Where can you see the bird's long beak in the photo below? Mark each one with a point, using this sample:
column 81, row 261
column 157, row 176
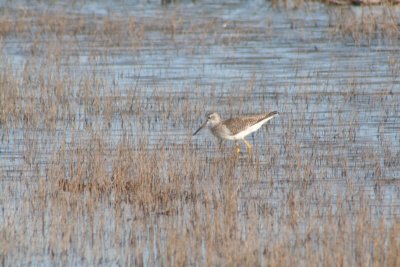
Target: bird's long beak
column 201, row 127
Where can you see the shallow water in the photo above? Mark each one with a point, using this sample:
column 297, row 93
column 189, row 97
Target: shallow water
column 338, row 127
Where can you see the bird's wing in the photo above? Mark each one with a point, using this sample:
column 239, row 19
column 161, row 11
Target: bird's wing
column 236, row 125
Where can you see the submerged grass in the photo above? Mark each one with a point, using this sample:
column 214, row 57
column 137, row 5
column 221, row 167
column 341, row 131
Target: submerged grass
column 95, row 171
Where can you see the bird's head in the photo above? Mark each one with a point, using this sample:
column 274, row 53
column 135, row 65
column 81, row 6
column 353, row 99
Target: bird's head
column 212, row 119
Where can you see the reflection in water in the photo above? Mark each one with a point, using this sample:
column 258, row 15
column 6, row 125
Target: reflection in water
column 99, row 102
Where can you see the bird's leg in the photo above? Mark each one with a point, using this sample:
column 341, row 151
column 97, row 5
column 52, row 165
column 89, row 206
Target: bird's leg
column 237, row 147
column 248, row 146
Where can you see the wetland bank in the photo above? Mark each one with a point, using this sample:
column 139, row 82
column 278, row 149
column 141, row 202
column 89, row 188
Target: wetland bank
column 98, row 103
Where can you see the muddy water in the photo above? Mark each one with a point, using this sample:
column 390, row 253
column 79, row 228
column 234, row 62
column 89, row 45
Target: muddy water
column 338, row 100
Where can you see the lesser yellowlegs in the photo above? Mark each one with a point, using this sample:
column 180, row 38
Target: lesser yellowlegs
column 236, row 128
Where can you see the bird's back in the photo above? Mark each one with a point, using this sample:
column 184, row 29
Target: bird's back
column 237, row 125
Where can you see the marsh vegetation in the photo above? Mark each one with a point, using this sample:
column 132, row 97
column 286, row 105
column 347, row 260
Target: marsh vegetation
column 98, row 103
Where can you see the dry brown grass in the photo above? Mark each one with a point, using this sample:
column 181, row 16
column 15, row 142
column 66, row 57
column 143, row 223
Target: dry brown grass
column 99, row 172
column 366, row 25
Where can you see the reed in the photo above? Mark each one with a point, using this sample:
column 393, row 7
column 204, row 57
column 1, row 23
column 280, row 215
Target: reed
column 96, row 170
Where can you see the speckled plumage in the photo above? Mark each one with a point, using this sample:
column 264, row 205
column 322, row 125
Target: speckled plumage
column 236, row 125
column 236, row 128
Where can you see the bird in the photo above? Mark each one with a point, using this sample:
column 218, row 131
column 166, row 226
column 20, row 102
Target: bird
column 235, row 128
